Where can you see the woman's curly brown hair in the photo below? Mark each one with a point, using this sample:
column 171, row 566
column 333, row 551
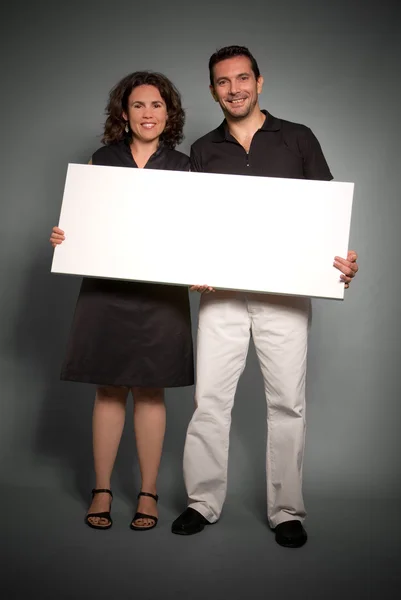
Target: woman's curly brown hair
column 114, row 128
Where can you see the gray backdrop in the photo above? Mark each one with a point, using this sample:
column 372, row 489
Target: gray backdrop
column 333, row 69
column 332, row 66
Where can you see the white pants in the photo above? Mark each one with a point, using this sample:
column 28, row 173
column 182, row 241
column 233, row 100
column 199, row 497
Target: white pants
column 279, row 326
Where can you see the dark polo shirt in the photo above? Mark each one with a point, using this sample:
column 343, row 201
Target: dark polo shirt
column 279, row 149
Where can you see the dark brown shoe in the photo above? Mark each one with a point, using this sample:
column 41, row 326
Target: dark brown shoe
column 290, row 534
column 189, row 522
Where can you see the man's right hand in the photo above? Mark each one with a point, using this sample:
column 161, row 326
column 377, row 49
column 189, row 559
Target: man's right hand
column 202, row 289
column 57, row 236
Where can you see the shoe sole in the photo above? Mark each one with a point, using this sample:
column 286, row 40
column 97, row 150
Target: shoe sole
column 142, row 528
column 182, row 532
column 98, row 526
column 292, row 544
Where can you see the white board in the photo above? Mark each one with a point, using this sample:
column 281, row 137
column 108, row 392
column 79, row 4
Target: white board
column 228, row 231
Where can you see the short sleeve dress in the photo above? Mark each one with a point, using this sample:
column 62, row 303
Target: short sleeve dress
column 127, row 333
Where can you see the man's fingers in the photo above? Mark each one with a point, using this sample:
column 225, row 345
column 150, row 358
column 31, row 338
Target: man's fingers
column 201, row 289
column 346, row 281
column 349, row 263
column 352, row 256
column 346, row 267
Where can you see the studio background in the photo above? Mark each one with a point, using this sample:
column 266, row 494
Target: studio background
column 334, row 67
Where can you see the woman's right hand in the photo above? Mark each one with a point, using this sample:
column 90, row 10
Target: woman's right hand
column 57, row 237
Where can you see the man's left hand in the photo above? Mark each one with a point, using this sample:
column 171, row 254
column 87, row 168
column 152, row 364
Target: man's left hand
column 348, row 267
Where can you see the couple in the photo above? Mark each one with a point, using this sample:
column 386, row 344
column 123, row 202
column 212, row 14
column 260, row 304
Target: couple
column 136, row 337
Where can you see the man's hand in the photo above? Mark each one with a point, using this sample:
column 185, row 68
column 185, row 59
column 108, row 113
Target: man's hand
column 348, row 267
column 202, row 289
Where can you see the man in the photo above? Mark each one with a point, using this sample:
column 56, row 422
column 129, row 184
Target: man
column 251, row 142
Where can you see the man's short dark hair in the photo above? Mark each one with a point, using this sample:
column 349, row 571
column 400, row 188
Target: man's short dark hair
column 231, row 52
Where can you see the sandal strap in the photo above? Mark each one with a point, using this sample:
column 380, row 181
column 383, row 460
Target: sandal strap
column 101, row 515
column 100, row 490
column 154, row 496
column 139, row 515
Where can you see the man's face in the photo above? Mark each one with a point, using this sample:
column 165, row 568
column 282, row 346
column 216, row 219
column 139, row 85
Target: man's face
column 235, row 86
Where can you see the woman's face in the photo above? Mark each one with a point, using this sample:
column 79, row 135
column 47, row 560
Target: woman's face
column 147, row 113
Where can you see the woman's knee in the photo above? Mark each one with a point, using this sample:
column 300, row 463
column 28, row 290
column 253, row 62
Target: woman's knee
column 148, row 394
column 111, row 392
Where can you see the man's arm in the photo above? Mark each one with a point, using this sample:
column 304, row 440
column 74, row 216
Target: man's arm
column 314, row 163
column 196, row 166
column 316, row 167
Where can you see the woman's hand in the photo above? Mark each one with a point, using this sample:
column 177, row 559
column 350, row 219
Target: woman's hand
column 57, row 237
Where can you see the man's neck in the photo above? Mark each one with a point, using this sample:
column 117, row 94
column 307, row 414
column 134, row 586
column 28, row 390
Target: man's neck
column 244, row 129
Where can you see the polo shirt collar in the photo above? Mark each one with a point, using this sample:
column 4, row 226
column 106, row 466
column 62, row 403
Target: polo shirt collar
column 221, row 134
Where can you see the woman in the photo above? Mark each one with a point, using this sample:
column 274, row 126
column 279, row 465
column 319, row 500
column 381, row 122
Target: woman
column 131, row 336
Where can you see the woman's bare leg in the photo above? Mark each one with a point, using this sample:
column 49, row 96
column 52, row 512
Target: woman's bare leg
column 107, row 425
column 149, row 426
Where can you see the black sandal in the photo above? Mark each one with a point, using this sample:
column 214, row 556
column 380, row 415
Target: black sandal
column 139, row 515
column 102, row 515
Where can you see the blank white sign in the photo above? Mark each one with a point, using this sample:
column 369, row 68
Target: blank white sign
column 228, row 231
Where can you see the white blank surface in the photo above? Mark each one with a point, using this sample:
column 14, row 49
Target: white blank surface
column 228, row 231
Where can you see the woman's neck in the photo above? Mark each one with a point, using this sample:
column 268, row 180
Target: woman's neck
column 142, row 151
